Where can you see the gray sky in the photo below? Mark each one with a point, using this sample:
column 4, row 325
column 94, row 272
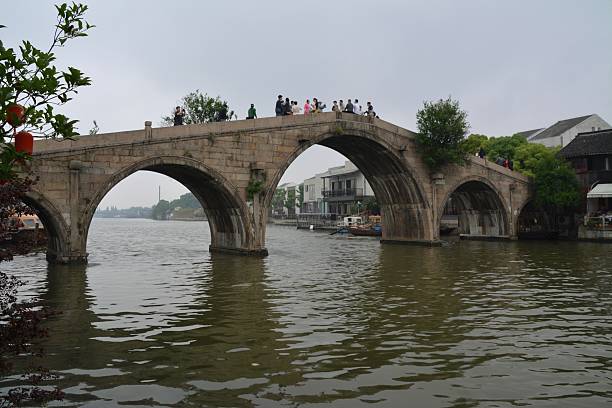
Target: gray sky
column 513, row 65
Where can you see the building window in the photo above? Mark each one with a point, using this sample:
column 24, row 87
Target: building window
column 348, row 184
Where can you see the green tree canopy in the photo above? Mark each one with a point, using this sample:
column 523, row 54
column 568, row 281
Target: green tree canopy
column 160, row 210
column 442, row 127
column 504, row 147
column 371, row 205
column 187, row 200
column 300, row 197
column 200, row 108
column 555, row 180
column 472, row 144
column 29, row 79
column 278, row 200
column 290, row 201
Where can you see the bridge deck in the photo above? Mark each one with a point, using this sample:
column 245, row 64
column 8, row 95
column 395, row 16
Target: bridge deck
column 231, row 128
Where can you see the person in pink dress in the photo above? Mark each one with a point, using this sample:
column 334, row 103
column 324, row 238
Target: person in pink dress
column 307, row 107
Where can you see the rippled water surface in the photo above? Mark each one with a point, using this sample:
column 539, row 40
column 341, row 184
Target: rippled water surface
column 155, row 320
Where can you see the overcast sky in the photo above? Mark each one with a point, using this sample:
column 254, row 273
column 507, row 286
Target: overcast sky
column 513, row 65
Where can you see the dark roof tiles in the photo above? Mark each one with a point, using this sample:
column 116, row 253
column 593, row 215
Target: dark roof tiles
column 589, row 144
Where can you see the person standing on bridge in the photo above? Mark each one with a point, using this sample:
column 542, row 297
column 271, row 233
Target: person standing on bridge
column 179, row 115
column 349, row 107
column 279, row 106
column 370, row 112
column 335, row 107
column 341, row 105
column 315, row 105
column 295, row 108
column 307, row 107
column 287, row 107
column 252, row 113
column 357, row 107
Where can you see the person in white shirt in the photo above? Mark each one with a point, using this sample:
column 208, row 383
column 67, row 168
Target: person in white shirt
column 357, row 107
column 295, row 108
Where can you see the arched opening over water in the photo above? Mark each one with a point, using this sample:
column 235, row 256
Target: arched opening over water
column 227, row 215
column 51, row 228
column 534, row 223
column 321, row 188
column 475, row 208
column 398, row 193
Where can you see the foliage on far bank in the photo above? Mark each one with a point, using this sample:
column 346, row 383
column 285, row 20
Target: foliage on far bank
column 555, row 180
column 200, row 108
column 160, row 210
column 442, row 127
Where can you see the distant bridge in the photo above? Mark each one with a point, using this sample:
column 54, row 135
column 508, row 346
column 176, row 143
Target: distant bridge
column 217, row 161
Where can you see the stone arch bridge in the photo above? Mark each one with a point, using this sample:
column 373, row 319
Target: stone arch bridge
column 218, row 162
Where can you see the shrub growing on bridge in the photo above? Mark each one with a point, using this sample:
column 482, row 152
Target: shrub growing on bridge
column 442, row 126
column 200, row 108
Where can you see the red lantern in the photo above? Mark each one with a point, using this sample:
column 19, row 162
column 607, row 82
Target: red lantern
column 24, row 142
column 15, row 115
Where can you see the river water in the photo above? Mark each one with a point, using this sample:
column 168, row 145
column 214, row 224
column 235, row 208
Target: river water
column 155, row 320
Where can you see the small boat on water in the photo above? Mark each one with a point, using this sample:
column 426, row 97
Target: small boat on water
column 366, row 230
column 373, row 228
column 354, row 225
column 22, row 228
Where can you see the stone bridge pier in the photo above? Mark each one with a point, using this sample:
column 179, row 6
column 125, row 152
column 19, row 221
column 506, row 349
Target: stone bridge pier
column 233, row 169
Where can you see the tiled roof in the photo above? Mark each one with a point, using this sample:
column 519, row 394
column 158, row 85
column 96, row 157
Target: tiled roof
column 589, row 144
column 527, row 133
column 560, row 127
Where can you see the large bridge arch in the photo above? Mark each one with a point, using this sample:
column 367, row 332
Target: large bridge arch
column 483, row 210
column 229, row 218
column 400, row 193
column 58, row 238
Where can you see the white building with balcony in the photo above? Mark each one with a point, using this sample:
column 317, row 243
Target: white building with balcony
column 340, row 190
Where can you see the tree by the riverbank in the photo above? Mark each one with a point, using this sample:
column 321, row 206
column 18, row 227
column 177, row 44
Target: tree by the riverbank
column 555, row 181
column 31, row 88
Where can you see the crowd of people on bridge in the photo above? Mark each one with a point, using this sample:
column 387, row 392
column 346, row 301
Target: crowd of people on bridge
column 286, row 107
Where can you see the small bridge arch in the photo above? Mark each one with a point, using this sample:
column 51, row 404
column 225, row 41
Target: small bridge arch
column 482, row 208
column 58, row 233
